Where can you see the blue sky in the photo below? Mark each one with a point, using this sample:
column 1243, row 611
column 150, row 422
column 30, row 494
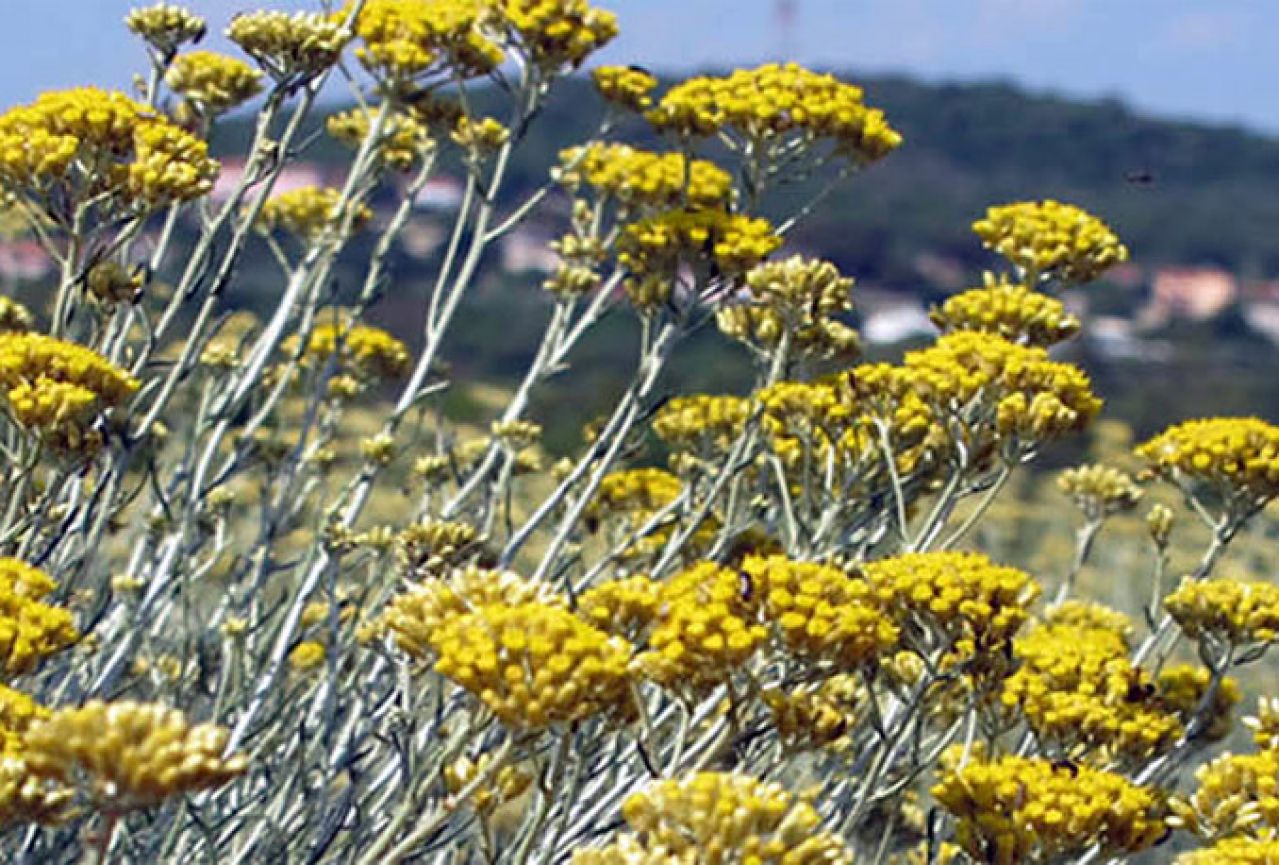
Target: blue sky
column 1207, row 59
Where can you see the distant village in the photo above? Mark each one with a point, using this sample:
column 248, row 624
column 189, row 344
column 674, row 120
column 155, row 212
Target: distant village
column 1161, row 295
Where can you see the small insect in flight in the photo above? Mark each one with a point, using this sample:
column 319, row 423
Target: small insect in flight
column 1140, row 177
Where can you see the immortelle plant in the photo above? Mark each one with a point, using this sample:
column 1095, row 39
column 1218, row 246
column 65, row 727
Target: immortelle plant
column 776, row 649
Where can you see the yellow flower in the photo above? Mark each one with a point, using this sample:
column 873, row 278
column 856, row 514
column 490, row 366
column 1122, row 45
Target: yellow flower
column 1012, row 311
column 556, row 33
column 735, row 818
column 773, row 103
column 166, row 26
column 1265, row 724
column 406, row 39
column 71, row 146
column 293, row 47
column 214, row 82
column 1236, row 794
column 625, row 607
column 14, row 317
column 18, row 711
column 1026, row 810
column 654, row 249
column 819, row 613
column 508, row 784
column 24, row 798
column 127, row 756
column 706, row 630
column 479, row 137
column 30, row 630
column 1077, row 688
column 1048, row 239
column 403, row 142
column 1182, row 687
column 307, row 655
column 1234, row 851
column 533, row 664
column 366, row 352
column 637, row 178
column 310, row 211
column 963, row 597
column 702, row 424
column 1238, row 458
column 59, row 387
column 434, row 546
column 417, row 613
column 625, row 86
column 1236, row 612
column 796, row 297
column 1099, row 490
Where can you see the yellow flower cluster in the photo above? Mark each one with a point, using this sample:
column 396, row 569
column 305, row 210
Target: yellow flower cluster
column 126, row 756
column 724, row 818
column 214, row 82
column 1019, row 811
column 625, row 607
column 30, row 630
column 1086, row 615
column 291, row 48
column 433, row 546
column 821, row 614
column 796, row 298
column 416, row 614
column 635, row 491
column 1007, row 309
column 1234, row 612
column 1265, row 724
column 166, row 26
column 364, row 351
column 307, row 655
column 820, row 718
column 1099, row 491
column 1182, row 687
column 775, row 102
column 59, row 387
column 637, row 178
column 17, row 713
column 534, row 664
column 1234, row 851
column 626, row 86
column 402, row 143
column 1035, row 398
column 1078, row 689
column 14, row 317
column 309, row 211
column 702, row 424
column 70, row 146
column 1237, row 457
column 1048, row 239
column 506, row 785
column 706, row 629
column 969, row 601
column 1236, row 794
column 406, row 39
column 715, row 242
column 557, row 33
column 479, row 137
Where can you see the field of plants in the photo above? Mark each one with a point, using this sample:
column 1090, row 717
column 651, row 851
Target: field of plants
column 264, row 598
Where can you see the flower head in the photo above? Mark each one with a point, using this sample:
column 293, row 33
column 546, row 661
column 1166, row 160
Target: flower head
column 1236, row 458
column 625, row 86
column 290, row 47
column 741, row 819
column 72, row 146
column 1234, row 612
column 214, row 82
column 403, row 141
column 1048, row 239
column 1027, row 810
column 637, row 178
column 1012, row 311
column 126, row 756
column 401, row 40
column 775, row 103
column 166, row 26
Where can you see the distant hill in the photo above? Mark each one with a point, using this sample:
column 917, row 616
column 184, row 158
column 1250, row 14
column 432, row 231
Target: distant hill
column 1176, row 192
